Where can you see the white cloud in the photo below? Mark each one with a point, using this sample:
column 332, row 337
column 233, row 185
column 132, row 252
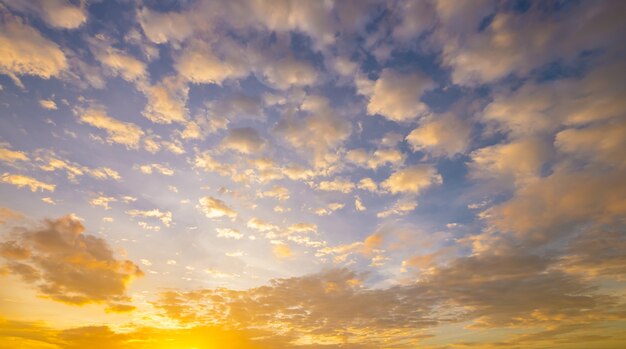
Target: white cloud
column 397, row 96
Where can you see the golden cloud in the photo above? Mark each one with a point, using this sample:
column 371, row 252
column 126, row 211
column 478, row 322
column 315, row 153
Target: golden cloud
column 24, row 51
column 124, row 133
column 67, row 265
column 21, row 181
column 216, row 208
column 412, row 180
column 441, row 135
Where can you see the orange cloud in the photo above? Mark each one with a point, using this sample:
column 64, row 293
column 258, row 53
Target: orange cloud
column 67, row 265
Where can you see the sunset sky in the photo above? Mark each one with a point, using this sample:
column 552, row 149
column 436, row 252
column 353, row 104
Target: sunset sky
column 312, row 174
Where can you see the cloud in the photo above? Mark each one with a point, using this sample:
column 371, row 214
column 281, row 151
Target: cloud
column 32, row 335
column 416, row 18
column 338, row 184
column 441, row 135
column 518, row 159
column 162, row 27
column 344, row 66
column 397, row 96
column 49, row 161
column 549, row 208
column 67, row 265
column 217, row 115
column 12, row 156
column 122, row 64
column 500, row 299
column 358, row 204
column 401, row 207
column 314, row 306
column 302, row 228
column 420, row 261
column 208, row 163
column 318, row 133
column 523, row 246
column 102, row 201
column 21, row 181
column 282, row 251
column 164, row 216
column 245, row 140
column 326, row 298
column 48, row 104
column 146, row 226
column 278, row 192
column 412, row 180
column 166, row 101
column 597, row 252
column 376, row 159
column 124, row 133
column 24, row 51
column 368, row 184
column 200, row 65
column 228, row 233
column 313, row 19
column 56, row 13
column 537, row 109
column 289, row 72
column 7, row 214
column 160, row 168
column 597, row 144
column 216, row 208
column 517, row 42
column 329, row 209
column 52, row 163
column 371, row 245
column 260, row 225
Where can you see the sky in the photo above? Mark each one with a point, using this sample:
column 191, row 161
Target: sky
column 312, row 174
